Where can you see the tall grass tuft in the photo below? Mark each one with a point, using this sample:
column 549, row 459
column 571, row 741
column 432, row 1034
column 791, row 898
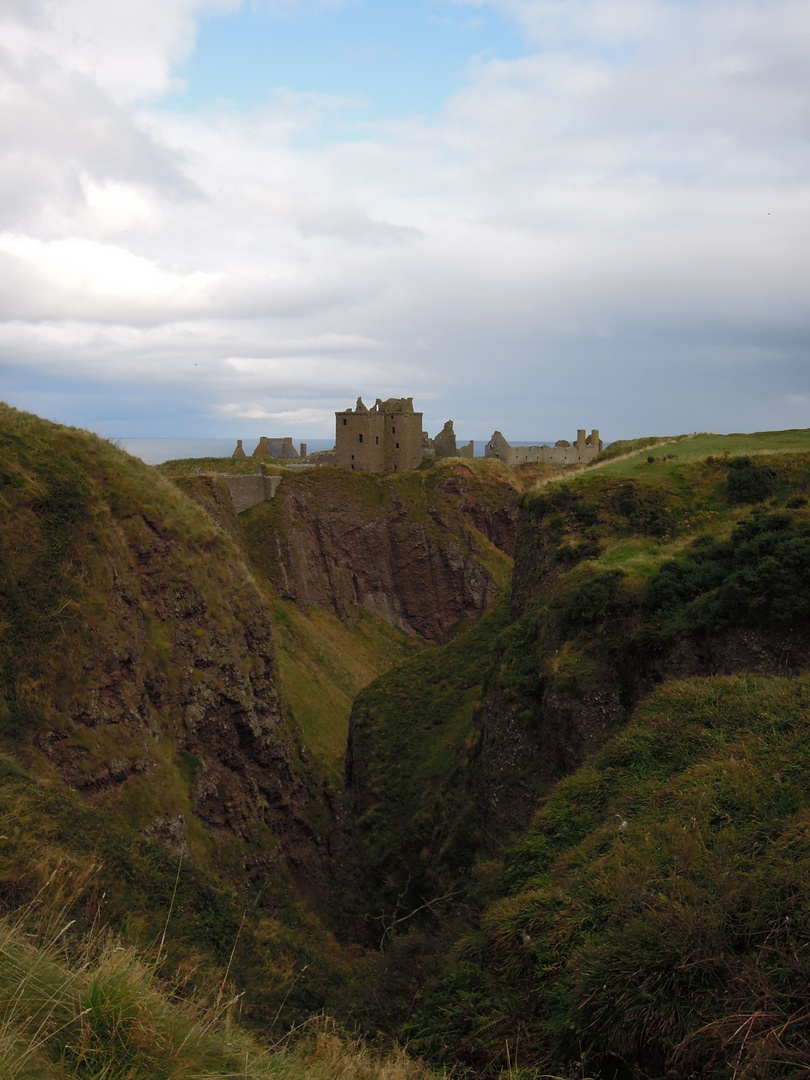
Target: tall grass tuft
column 101, row 1014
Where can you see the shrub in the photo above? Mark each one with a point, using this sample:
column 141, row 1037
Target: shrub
column 747, row 482
column 760, row 575
column 591, row 607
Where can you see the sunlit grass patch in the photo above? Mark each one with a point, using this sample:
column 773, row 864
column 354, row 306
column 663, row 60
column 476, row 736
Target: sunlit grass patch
column 324, row 662
column 669, row 456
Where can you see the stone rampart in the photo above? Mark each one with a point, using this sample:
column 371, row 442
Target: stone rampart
column 247, row 491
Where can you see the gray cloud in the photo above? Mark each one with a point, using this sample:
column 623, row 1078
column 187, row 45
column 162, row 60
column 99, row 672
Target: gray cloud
column 610, row 231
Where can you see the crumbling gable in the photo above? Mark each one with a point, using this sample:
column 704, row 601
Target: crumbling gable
column 444, row 444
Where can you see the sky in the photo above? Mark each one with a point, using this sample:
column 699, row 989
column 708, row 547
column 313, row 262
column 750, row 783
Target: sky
column 232, row 217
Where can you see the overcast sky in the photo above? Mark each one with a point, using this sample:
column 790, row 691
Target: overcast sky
column 232, row 217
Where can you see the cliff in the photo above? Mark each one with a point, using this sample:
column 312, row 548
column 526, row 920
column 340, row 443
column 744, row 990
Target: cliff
column 421, row 550
column 620, row 582
column 137, row 663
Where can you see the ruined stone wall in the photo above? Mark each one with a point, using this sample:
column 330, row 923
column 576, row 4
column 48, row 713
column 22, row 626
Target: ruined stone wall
column 403, row 440
column 360, row 440
column 444, row 444
column 562, row 453
column 247, row 491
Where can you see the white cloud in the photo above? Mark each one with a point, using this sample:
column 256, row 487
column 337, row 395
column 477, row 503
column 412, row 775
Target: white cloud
column 635, row 186
column 127, row 48
column 81, row 278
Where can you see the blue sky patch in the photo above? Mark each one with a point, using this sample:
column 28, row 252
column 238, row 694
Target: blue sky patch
column 398, row 56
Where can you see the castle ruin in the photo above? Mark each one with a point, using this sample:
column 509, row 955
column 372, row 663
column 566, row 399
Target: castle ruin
column 272, row 448
column 388, row 437
column 385, row 438
column 562, row 453
column 444, row 445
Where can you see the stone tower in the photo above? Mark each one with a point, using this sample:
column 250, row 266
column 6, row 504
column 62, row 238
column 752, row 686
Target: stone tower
column 385, row 438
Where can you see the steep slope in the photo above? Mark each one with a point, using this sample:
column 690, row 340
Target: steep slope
column 412, row 747
column 619, row 584
column 653, row 921
column 137, row 663
column 680, row 566
column 358, row 570
column 422, row 550
column 102, row 1013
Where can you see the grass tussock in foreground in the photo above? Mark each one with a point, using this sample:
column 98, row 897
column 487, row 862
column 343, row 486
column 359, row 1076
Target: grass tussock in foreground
column 100, row 1014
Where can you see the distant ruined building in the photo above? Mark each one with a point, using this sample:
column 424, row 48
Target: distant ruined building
column 272, row 448
column 444, row 444
column 385, row 438
column 388, row 437
column 562, row 453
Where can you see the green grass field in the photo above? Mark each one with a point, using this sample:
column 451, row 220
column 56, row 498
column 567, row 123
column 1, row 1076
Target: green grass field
column 671, row 455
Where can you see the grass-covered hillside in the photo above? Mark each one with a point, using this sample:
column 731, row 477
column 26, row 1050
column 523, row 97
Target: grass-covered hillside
column 654, row 920
column 630, row 577
column 574, row 830
column 165, row 716
column 144, row 752
column 98, row 1011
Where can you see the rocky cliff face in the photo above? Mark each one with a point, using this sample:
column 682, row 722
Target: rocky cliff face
column 136, row 661
column 420, row 550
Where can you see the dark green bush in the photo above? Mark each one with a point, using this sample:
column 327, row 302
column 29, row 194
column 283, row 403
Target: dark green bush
column 760, row 575
column 594, row 603
column 747, row 482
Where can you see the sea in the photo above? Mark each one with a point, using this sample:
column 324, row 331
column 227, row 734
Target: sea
column 156, row 451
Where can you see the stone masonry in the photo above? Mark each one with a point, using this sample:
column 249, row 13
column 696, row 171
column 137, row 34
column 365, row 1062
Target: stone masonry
column 385, row 438
column 247, row 491
column 562, row 453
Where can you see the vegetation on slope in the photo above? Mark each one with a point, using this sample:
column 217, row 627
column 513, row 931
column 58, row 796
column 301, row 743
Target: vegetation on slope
column 410, row 749
column 655, row 915
column 622, row 579
column 136, row 668
column 652, row 917
column 635, row 454
column 97, row 1012
column 422, row 549
column 347, row 560
column 607, row 577
column 323, row 663
column 99, row 871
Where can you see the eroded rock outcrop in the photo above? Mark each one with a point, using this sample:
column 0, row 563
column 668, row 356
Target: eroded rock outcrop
column 420, row 551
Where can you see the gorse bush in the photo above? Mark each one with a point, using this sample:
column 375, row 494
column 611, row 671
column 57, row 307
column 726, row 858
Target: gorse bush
column 747, row 482
column 760, row 575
